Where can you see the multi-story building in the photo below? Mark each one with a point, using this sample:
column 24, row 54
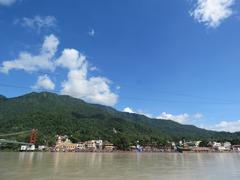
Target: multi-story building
column 109, row 147
column 94, row 145
column 81, row 146
column 64, row 144
column 227, row 146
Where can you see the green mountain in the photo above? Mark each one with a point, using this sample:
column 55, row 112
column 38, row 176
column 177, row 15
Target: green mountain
column 2, row 98
column 55, row 114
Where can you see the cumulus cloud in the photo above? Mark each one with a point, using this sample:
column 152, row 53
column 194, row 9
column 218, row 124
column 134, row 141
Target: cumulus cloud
column 71, row 59
column 128, row 110
column 79, row 85
column 29, row 62
column 44, row 82
column 212, row 12
column 141, row 112
column 181, row 118
column 7, row 2
column 197, row 116
column 38, row 23
column 228, row 126
column 94, row 89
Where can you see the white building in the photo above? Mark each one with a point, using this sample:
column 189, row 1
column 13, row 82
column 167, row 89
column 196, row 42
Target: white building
column 91, row 144
column 174, row 146
column 227, row 146
column 99, row 144
column 27, row 147
column 216, row 145
column 197, row 143
column 81, row 146
column 94, row 144
column 222, row 146
column 42, row 148
column 23, row 148
column 236, row 148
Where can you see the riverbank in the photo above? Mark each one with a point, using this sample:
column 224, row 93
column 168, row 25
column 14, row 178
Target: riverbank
column 121, row 152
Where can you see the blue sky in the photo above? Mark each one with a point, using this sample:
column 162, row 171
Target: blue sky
column 166, row 59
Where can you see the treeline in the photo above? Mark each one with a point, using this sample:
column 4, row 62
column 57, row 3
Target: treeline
column 52, row 114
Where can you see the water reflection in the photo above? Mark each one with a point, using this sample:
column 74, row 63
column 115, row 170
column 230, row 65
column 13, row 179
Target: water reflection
column 132, row 166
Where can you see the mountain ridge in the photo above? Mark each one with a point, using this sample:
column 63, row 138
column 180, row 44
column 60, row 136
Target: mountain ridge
column 55, row 114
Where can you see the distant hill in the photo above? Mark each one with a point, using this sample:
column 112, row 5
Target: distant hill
column 55, row 114
column 2, row 98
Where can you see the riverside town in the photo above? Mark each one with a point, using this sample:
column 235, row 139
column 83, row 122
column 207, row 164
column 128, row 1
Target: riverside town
column 64, row 144
column 119, row 89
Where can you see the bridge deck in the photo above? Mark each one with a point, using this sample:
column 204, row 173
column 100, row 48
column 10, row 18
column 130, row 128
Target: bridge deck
column 2, row 141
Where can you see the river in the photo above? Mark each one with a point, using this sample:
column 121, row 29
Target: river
column 104, row 166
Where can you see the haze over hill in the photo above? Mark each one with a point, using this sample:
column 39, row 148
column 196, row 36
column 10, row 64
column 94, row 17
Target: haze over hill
column 55, row 114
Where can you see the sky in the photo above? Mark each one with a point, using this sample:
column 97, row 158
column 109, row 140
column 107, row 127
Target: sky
column 165, row 59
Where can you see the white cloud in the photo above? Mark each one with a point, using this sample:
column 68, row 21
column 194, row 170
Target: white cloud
column 71, row 59
column 93, row 68
column 7, row 2
column 145, row 114
column 94, row 89
column 79, row 85
column 181, row 118
column 91, row 32
column 38, row 23
column 212, row 12
column 44, row 82
column 141, row 112
column 197, row 116
column 228, row 126
column 28, row 62
column 128, row 110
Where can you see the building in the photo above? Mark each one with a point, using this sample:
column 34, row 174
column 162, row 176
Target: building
column 91, row 145
column 197, row 143
column 221, row 148
column 64, row 144
column 174, row 147
column 109, row 147
column 99, row 144
column 147, row 148
column 23, row 148
column 189, row 144
column 42, row 148
column 236, row 148
column 94, row 145
column 139, row 148
column 81, row 146
column 227, row 146
column 216, row 145
column 27, row 147
column 201, row 149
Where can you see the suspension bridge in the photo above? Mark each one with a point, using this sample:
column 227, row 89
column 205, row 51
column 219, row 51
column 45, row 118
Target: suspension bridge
column 32, row 140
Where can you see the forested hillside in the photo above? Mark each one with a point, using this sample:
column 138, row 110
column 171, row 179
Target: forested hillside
column 55, row 114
